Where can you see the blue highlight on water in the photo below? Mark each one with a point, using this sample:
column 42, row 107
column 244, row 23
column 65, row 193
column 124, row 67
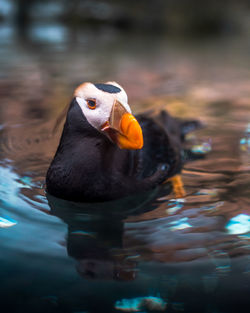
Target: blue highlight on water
column 245, row 141
column 6, row 223
column 203, row 148
column 27, row 181
column 148, row 303
column 83, row 233
column 9, row 185
column 240, row 224
column 180, row 224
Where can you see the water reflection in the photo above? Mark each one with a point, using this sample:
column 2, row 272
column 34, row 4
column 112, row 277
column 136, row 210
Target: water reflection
column 239, row 224
column 148, row 303
column 5, row 223
column 96, row 235
column 109, row 240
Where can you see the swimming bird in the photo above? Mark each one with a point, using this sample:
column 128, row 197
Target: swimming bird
column 106, row 153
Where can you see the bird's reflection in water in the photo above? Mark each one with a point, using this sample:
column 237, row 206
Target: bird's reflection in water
column 113, row 240
column 95, row 234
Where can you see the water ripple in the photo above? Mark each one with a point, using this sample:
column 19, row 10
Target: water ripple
column 6, row 223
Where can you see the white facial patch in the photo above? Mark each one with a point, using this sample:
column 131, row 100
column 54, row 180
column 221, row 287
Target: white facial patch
column 104, row 102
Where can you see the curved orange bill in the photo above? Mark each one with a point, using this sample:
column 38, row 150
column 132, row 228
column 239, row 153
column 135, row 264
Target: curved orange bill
column 123, row 128
column 130, row 135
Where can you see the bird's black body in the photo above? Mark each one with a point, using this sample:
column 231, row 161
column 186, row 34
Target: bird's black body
column 88, row 167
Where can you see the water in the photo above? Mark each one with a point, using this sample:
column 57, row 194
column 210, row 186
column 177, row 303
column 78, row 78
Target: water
column 144, row 254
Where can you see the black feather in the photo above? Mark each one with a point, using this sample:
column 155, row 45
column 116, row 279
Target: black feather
column 88, row 167
column 108, row 88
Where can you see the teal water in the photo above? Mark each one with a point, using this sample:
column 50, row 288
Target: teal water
column 148, row 253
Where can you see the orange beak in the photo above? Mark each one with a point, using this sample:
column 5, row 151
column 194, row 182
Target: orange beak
column 123, row 128
column 130, row 135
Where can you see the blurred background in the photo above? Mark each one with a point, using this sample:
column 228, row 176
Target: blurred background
column 152, row 47
column 160, row 47
column 184, row 17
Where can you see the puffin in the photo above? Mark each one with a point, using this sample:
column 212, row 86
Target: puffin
column 107, row 153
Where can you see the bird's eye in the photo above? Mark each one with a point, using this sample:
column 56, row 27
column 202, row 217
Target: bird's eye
column 91, row 104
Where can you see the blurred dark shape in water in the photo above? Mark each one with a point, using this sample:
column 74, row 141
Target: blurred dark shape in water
column 193, row 17
column 95, row 234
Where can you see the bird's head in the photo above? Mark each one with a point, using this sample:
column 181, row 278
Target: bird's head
column 106, row 108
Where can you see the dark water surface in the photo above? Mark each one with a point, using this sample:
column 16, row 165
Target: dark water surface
column 149, row 253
